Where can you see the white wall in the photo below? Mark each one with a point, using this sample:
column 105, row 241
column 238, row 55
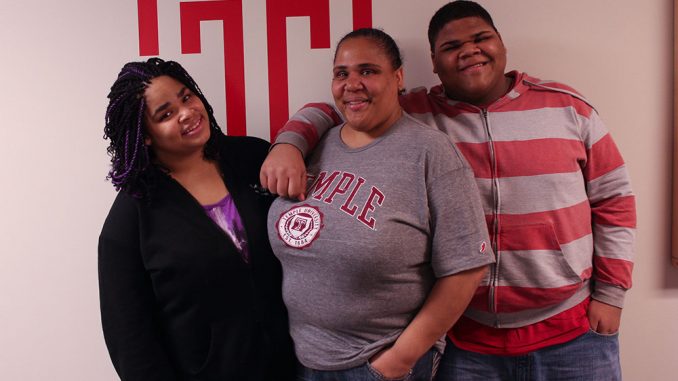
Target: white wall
column 60, row 57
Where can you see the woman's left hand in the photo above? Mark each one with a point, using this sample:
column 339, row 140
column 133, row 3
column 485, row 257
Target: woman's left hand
column 389, row 365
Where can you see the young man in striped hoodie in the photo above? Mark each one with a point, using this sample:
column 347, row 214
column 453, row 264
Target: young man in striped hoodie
column 557, row 199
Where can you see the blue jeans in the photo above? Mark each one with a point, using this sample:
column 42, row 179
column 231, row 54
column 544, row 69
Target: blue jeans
column 422, row 371
column 589, row 357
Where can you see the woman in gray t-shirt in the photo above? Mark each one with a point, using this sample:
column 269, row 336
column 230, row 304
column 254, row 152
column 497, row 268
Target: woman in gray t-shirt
column 389, row 246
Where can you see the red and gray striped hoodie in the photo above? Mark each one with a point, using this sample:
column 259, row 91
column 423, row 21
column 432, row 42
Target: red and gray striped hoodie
column 556, row 193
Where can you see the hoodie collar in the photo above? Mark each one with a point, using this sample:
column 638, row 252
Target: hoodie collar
column 518, row 87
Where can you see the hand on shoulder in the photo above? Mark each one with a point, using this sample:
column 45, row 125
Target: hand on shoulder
column 284, row 172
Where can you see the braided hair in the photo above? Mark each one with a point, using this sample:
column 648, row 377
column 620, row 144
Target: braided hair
column 131, row 160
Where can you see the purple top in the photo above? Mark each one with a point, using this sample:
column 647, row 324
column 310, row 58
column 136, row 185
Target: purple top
column 225, row 214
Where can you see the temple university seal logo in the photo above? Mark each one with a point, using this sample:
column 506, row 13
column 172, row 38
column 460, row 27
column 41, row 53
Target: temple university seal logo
column 299, row 226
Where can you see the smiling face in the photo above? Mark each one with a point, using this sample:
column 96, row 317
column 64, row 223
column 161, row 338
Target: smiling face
column 365, row 86
column 177, row 124
column 470, row 58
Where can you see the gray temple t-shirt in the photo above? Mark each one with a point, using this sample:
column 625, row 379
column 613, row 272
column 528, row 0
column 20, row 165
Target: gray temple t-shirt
column 380, row 224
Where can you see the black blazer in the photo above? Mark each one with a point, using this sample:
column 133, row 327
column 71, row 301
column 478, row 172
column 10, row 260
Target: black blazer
column 177, row 300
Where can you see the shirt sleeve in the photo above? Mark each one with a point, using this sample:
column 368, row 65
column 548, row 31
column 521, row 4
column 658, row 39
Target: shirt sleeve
column 127, row 301
column 459, row 232
column 308, row 125
column 613, row 212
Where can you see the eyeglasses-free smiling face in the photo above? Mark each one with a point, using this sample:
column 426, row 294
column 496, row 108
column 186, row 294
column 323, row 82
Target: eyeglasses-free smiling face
column 365, row 88
column 470, row 58
column 177, row 124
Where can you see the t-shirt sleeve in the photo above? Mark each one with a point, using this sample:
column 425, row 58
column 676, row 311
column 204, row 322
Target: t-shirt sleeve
column 459, row 232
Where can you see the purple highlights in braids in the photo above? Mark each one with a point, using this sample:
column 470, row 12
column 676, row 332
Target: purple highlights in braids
column 131, row 160
column 119, row 179
column 138, row 72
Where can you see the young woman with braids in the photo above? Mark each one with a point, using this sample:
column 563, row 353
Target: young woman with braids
column 189, row 287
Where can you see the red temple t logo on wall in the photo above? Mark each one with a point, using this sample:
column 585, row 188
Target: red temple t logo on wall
column 229, row 12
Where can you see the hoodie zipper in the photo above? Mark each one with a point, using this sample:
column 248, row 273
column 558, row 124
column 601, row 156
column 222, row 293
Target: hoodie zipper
column 494, row 273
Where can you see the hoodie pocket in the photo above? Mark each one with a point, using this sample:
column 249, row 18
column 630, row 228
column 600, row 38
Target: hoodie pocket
column 532, row 271
column 211, row 348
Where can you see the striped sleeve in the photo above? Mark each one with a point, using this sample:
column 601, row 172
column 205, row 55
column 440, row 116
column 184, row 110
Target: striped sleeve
column 613, row 212
column 308, row 125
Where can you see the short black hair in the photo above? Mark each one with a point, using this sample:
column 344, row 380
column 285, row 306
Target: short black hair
column 452, row 11
column 125, row 127
column 381, row 38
